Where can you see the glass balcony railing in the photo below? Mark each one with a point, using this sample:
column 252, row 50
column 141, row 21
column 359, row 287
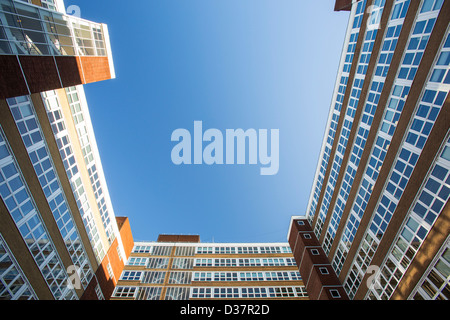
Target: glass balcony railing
column 27, row 29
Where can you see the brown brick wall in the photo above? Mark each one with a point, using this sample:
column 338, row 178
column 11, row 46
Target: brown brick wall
column 310, row 258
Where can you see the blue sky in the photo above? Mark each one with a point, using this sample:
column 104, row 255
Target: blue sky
column 260, row 64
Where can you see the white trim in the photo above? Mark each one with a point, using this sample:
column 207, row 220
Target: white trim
column 108, row 50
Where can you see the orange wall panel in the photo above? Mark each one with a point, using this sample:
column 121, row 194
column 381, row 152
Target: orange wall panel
column 94, row 68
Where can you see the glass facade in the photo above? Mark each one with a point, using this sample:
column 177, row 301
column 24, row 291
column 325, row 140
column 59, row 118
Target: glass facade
column 28, row 125
column 26, row 29
column 23, row 210
column 52, row 183
column 419, row 128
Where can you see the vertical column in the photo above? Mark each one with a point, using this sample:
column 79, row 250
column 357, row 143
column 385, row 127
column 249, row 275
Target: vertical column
column 318, row 276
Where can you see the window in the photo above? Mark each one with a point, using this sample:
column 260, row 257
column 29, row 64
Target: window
column 154, row 277
column 202, row 276
column 201, row 293
column 110, row 271
column 162, row 250
column 119, row 253
column 125, row 292
column 286, row 249
column 225, row 250
column 277, row 276
column 323, row 270
column 226, row 292
column 252, row 262
column 431, row 5
column 99, row 293
column 301, row 223
column 182, row 263
column 315, row 252
column 137, row 261
column 203, row 262
column 184, row 251
column 14, row 285
column 180, row 277
column 270, row 250
column 225, row 276
column 55, row 115
column 131, row 275
column 246, row 250
column 149, row 293
column 142, row 249
column 158, row 263
column 248, row 292
column 306, row 236
column 205, row 250
column 225, row 262
column 273, row 262
column 177, row 293
column 251, row 276
column 281, row 292
column 291, row 262
column 253, row 293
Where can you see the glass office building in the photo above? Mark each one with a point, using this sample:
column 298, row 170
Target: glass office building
column 378, row 207
column 59, row 236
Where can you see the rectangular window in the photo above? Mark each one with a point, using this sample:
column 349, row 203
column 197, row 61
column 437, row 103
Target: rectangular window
column 184, row 251
column 158, row 263
column 323, row 270
column 177, row 293
column 162, row 250
column 335, row 294
column 226, row 293
column 142, row 249
column 179, row 277
column 202, row 276
column 201, row 293
column 154, row 277
column 182, row 263
column 149, row 293
column 203, row 262
column 137, row 261
column 205, row 250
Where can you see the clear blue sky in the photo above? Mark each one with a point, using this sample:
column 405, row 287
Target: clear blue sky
column 261, row 64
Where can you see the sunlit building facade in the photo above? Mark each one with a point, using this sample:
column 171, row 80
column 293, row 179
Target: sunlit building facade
column 182, row 268
column 59, row 235
column 378, row 208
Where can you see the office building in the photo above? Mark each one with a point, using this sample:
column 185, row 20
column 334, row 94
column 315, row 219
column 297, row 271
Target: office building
column 378, row 211
column 180, row 267
column 59, row 235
